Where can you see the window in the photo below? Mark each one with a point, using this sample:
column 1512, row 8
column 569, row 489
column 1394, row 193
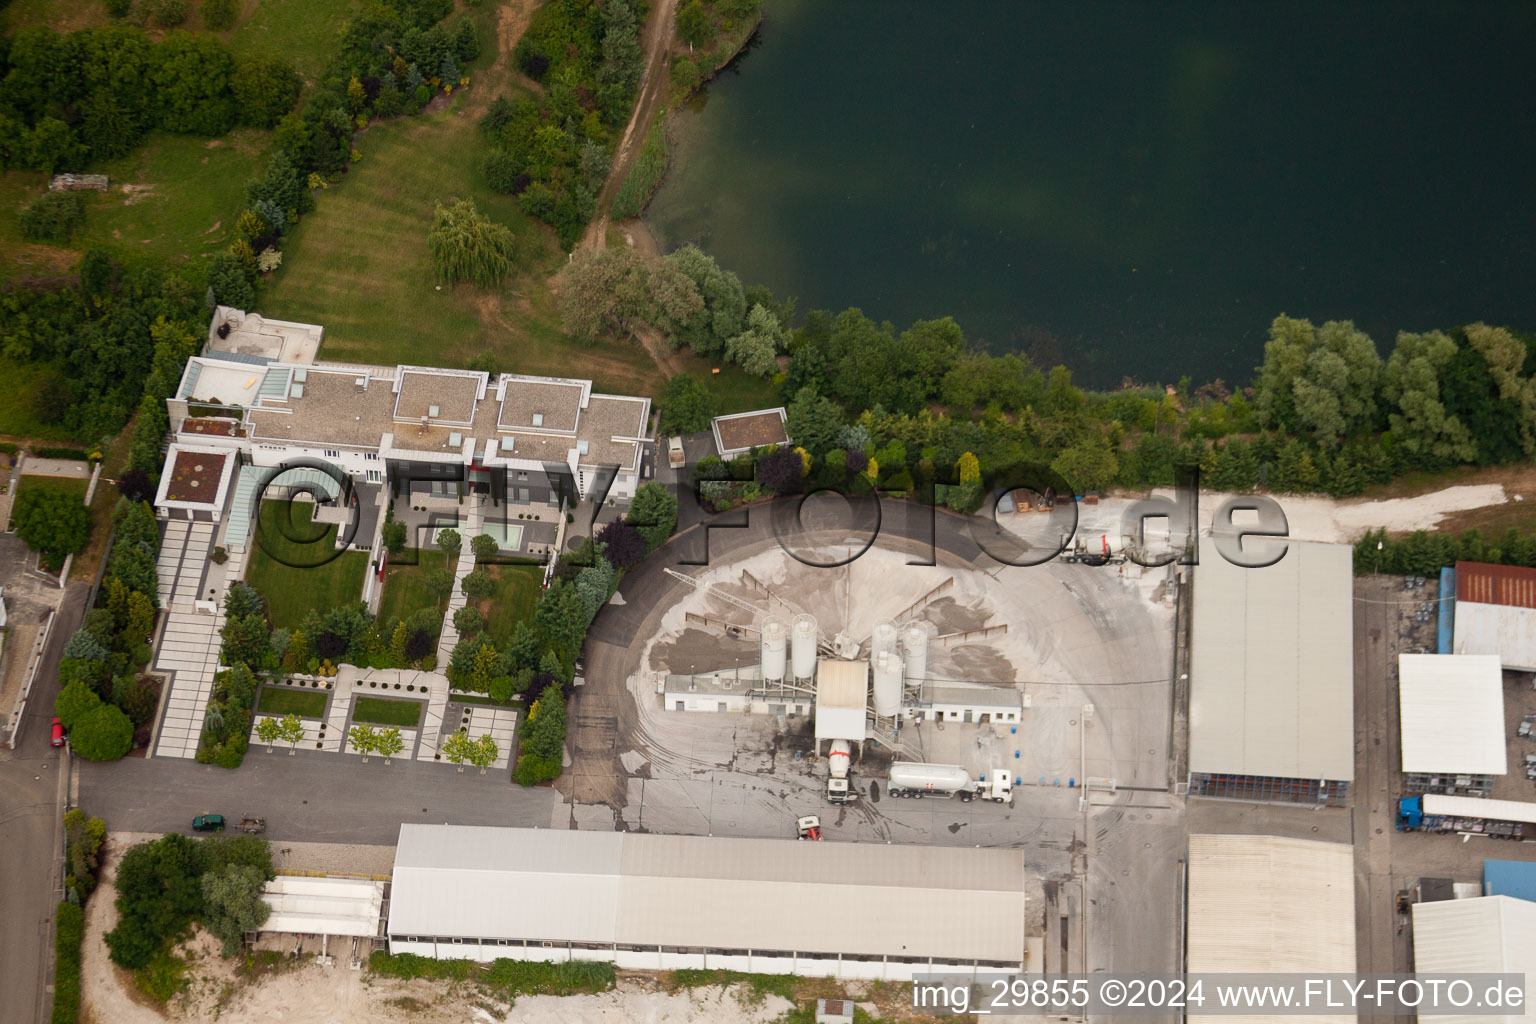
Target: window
column 503, row 942
column 680, row 706
column 521, row 475
column 332, row 453
column 458, row 942
column 375, row 476
column 371, row 456
column 720, row 706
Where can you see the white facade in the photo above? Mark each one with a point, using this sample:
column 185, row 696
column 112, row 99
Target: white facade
column 1452, row 713
column 666, row 902
column 1507, row 632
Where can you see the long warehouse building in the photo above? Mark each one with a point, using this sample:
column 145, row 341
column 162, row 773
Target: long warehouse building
column 668, row 902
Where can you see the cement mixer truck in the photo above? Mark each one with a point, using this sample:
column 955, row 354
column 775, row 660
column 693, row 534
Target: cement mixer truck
column 912, row 779
column 838, row 760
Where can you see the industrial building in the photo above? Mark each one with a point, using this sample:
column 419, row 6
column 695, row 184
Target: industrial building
column 1516, row 878
column 324, row 907
column 1452, row 721
column 1495, row 613
column 647, row 901
column 1485, row 935
column 1272, row 677
column 1265, row 904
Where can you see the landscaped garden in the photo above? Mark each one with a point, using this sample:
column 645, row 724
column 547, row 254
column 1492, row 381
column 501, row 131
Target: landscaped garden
column 296, row 567
column 277, row 701
column 385, row 711
column 514, row 599
column 406, row 583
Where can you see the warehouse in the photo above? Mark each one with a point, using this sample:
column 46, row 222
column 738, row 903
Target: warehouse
column 1272, row 677
column 1452, row 722
column 1496, row 613
column 1485, row 935
column 1266, row 904
column 666, row 902
column 1515, row 878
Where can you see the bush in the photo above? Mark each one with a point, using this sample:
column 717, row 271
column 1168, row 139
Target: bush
column 531, row 771
column 162, row 977
column 169, row 13
column 70, row 930
column 117, row 8
column 74, row 454
column 103, row 734
column 219, row 15
column 685, row 73
column 52, row 217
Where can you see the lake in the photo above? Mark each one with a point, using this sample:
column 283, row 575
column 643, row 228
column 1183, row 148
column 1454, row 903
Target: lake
column 1135, row 189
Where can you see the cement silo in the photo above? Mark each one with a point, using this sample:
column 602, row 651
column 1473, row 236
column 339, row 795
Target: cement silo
column 887, row 666
column 914, row 651
column 775, row 636
column 803, row 645
column 883, row 638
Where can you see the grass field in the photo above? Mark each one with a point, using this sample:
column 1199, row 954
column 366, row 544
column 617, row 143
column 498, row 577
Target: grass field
column 17, row 381
column 301, row 30
column 383, row 711
column 289, row 564
column 517, row 592
column 63, row 484
column 404, row 591
column 275, row 701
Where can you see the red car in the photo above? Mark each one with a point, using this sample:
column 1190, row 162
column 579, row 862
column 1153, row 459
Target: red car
column 58, row 734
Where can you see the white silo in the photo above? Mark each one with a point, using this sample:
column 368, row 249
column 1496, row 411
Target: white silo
column 887, row 666
column 883, row 638
column 775, row 634
column 914, row 651
column 803, row 645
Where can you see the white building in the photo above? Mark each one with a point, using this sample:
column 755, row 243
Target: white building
column 1452, row 715
column 666, row 902
column 259, row 392
column 1271, row 672
column 1485, row 935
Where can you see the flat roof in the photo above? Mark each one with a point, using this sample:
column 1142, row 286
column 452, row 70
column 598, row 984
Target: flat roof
column 194, row 476
column 1268, row 904
column 767, row 894
column 1484, row 935
column 842, row 693
column 1504, row 630
column 251, row 334
column 1452, row 713
column 743, row 431
column 1272, row 665
column 451, row 393
column 1515, row 878
column 1451, row 806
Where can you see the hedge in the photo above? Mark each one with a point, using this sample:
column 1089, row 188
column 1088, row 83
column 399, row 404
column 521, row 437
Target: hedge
column 62, row 453
column 511, row 977
column 8, row 447
column 69, row 931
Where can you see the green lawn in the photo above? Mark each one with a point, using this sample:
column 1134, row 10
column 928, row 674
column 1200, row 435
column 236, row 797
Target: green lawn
column 292, row 566
column 384, row 711
column 276, row 701
column 304, row 31
column 63, row 484
column 404, row 591
column 16, row 388
column 517, row 592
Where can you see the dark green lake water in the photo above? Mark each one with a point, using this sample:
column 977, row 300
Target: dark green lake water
column 1133, row 188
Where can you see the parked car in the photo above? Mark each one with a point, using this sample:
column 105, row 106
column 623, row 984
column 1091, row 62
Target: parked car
column 208, row 823
column 57, row 739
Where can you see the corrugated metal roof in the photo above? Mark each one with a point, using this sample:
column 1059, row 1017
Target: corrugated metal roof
column 1452, row 713
column 1270, row 904
column 323, row 906
column 1485, row 583
column 635, row 888
column 1488, row 934
column 1272, row 666
column 1503, row 630
column 1515, row 878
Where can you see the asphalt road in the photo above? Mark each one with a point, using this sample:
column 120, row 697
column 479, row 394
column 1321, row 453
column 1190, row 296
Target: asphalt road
column 31, row 790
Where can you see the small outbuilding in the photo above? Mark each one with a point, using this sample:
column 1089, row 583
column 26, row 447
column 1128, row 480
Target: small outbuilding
column 1496, row 613
column 743, row 432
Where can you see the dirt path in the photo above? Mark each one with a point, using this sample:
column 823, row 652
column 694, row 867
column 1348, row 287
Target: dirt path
column 511, row 22
column 653, row 89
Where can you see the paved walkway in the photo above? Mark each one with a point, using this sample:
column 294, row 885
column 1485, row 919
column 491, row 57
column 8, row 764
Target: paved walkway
column 189, row 645
column 58, row 467
column 448, row 639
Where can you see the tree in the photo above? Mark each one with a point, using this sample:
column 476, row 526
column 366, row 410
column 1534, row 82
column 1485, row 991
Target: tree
column 813, row 421
column 594, row 584
column 451, row 542
column 622, row 544
column 623, row 61
column 52, row 522
column 458, row 749
column 1322, row 381
column 232, row 904
column 561, row 619
column 722, row 312
column 467, row 246
column 781, row 471
column 159, row 890
column 542, row 738
column 686, row 405
column 1088, row 465
column 231, row 286
column 468, row 621
column 1418, row 418
column 693, row 25
column 389, row 743
column 653, row 511
column 483, row 752
column 364, row 740
column 74, row 702
column 357, row 97
column 484, row 547
column 439, row 582
column 219, row 15
column 103, row 734
column 607, row 292
column 478, row 584
column 291, row 731
column 265, row 87
column 968, row 469
column 269, row 731
column 1294, row 470
column 82, row 845
column 394, row 536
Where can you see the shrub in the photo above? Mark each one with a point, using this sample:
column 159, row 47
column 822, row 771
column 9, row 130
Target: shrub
column 219, row 15
column 70, row 929
column 52, row 217
column 169, row 13
column 103, row 734
column 117, row 8
column 685, row 73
